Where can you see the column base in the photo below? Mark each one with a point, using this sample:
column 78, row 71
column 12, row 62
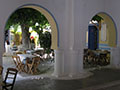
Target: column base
column 81, row 75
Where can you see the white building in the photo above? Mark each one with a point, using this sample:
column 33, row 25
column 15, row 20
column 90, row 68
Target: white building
column 69, row 21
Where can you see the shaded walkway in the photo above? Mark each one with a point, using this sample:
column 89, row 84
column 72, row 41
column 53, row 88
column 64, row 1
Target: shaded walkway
column 100, row 77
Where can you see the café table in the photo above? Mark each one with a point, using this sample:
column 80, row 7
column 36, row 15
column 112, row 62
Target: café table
column 31, row 61
column 24, row 56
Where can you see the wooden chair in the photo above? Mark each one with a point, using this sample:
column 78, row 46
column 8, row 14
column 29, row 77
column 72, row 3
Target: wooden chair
column 33, row 64
column 15, row 61
column 39, row 54
column 19, row 65
column 1, row 70
column 10, row 78
column 18, row 52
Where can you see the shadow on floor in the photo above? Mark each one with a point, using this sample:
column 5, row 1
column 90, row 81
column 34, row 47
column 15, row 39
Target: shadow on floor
column 100, row 77
column 44, row 69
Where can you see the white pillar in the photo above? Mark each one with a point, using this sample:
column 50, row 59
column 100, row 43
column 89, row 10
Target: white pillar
column 115, row 57
column 69, row 64
column 2, row 49
column 69, row 55
column 59, row 63
column 76, row 63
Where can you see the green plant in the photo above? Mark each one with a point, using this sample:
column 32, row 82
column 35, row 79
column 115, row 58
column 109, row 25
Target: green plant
column 98, row 19
column 45, row 41
column 26, row 17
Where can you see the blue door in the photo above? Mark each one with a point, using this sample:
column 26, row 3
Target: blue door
column 93, row 37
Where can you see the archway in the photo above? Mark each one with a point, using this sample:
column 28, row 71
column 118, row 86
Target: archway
column 51, row 20
column 100, row 38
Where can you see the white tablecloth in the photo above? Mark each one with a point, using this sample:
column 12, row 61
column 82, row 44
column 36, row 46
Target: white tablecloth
column 24, row 56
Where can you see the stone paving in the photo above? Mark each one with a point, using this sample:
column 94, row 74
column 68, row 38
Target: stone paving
column 102, row 79
column 114, row 87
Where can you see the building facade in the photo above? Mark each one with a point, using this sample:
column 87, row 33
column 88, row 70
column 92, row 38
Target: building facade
column 69, row 20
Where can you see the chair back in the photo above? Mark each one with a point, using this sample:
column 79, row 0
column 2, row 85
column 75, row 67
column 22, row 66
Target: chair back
column 34, row 60
column 14, row 60
column 1, row 70
column 10, row 78
column 18, row 62
column 19, row 53
column 32, row 65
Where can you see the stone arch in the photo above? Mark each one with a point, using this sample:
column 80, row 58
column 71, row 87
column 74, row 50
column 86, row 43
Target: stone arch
column 112, row 29
column 111, row 35
column 51, row 19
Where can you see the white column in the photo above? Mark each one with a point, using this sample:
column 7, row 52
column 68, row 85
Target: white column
column 59, row 63
column 2, row 49
column 69, row 64
column 69, row 56
column 115, row 57
column 76, row 63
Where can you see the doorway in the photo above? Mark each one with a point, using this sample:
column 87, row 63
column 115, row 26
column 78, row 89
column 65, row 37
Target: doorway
column 53, row 24
column 101, row 37
column 93, row 37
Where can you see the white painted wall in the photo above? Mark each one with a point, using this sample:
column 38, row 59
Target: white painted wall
column 112, row 8
column 78, row 14
column 72, row 17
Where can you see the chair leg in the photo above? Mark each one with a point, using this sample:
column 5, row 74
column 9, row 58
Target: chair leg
column 30, row 69
column 35, row 68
